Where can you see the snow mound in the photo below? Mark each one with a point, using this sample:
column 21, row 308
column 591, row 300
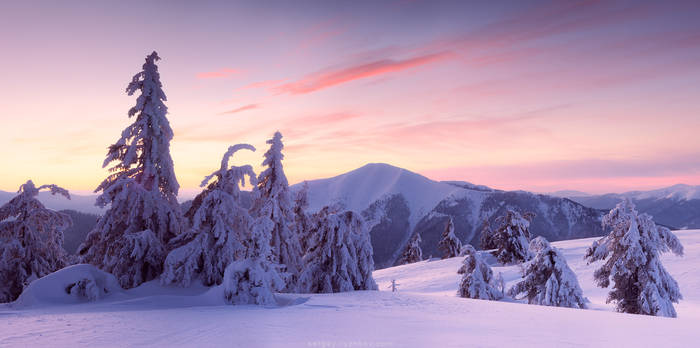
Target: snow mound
column 70, row 285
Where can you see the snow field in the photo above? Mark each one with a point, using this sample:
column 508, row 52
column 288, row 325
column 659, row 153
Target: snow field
column 425, row 312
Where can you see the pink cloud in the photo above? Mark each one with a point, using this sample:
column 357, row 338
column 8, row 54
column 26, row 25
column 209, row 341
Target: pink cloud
column 261, row 84
column 222, row 73
column 242, row 108
column 331, row 78
column 326, row 119
column 592, row 175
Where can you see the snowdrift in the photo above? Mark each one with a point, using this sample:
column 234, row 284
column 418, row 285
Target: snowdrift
column 71, row 285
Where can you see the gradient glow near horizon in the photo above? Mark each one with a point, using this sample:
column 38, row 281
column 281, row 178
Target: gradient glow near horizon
column 597, row 96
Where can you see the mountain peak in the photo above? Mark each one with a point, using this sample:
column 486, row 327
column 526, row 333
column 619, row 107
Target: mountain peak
column 357, row 189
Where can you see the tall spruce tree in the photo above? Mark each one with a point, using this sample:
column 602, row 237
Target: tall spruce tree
column 449, row 245
column 220, row 226
column 254, row 279
column 512, row 238
column 130, row 239
column 478, row 280
column 302, row 219
column 340, row 256
column 548, row 280
column 31, row 239
column 631, row 253
column 412, row 253
column 272, row 201
column 486, row 239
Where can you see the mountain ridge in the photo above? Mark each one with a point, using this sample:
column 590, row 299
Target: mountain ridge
column 397, row 203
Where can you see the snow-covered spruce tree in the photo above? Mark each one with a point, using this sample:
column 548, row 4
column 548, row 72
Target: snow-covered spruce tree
column 641, row 283
column 477, row 278
column 219, row 226
column 512, row 238
column 548, row 280
column 449, row 245
column 486, row 236
column 340, row 256
column 412, row 253
column 130, row 239
column 272, row 201
column 31, row 240
column 302, row 219
column 254, row 279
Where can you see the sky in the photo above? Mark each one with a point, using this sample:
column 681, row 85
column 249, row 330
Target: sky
column 595, row 96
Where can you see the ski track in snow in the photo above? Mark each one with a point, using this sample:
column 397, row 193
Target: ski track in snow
column 425, row 312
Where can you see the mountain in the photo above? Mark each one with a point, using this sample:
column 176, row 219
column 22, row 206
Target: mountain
column 82, row 225
column 85, row 204
column 568, row 193
column 676, row 206
column 397, row 203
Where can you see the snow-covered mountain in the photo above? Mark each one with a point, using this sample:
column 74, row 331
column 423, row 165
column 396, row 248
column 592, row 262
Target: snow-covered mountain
column 398, row 203
column 84, row 204
column 676, row 206
column 568, row 193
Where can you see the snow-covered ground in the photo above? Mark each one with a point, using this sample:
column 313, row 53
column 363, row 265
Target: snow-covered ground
column 425, row 312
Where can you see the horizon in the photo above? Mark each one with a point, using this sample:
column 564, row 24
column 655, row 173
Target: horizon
column 187, row 194
column 603, row 99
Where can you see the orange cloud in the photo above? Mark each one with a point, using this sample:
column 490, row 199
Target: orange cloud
column 331, row 78
column 225, row 72
column 242, row 108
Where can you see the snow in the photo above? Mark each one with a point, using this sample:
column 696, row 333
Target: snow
column 53, row 288
column 424, row 312
column 81, row 203
column 357, row 189
column 678, row 192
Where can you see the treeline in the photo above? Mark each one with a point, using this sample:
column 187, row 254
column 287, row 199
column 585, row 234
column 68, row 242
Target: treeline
column 144, row 235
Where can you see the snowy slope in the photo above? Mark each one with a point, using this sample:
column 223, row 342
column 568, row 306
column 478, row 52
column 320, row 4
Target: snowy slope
column 357, row 189
column 424, row 313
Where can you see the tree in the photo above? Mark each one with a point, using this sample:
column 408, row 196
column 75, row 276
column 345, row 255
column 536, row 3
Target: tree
column 548, row 280
column 272, row 201
column 31, row 239
column 340, row 256
column 412, row 253
column 254, row 279
column 130, row 239
column 631, row 250
column 477, row 278
column 450, row 245
column 302, row 219
column 486, row 236
column 512, row 238
column 220, row 225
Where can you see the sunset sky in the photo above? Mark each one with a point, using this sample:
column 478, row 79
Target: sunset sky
column 598, row 96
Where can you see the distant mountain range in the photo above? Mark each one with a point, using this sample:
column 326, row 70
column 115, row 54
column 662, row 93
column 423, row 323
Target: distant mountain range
column 85, row 204
column 676, row 206
column 397, row 203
